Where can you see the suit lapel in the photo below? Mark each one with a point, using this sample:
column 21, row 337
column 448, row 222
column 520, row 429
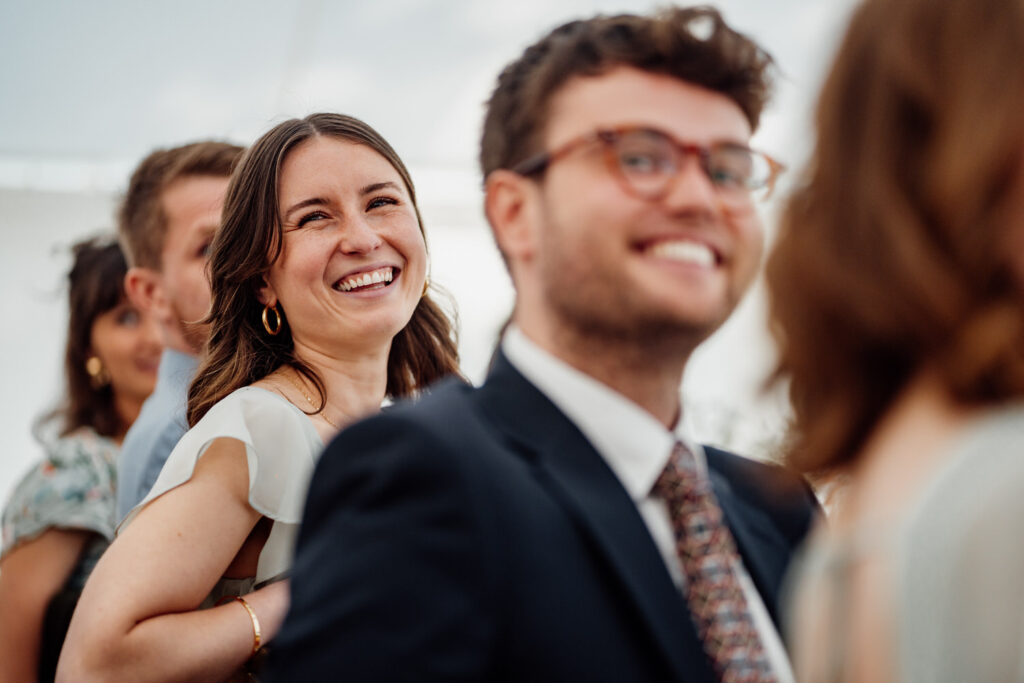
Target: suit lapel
column 579, row 479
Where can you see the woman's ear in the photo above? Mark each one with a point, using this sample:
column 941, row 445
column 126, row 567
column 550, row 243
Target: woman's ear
column 266, row 295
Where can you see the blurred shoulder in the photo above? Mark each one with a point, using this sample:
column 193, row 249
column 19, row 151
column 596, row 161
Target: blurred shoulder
column 436, row 431
column 442, row 412
column 444, row 398
column 766, row 484
column 81, row 446
column 72, row 486
column 79, row 459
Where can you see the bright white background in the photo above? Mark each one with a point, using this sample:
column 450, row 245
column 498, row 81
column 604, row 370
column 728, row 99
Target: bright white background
column 88, row 88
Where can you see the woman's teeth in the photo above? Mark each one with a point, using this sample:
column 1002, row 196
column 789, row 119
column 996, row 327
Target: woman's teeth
column 381, row 276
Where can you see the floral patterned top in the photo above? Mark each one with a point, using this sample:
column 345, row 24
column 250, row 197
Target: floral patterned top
column 72, row 488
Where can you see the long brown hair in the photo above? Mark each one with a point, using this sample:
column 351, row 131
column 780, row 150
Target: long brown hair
column 240, row 351
column 895, row 252
column 95, row 286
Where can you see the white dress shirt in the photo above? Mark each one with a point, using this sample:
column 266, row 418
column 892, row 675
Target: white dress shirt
column 636, row 447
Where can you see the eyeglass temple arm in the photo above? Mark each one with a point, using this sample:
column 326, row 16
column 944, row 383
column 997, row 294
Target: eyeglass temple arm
column 533, row 165
column 777, row 169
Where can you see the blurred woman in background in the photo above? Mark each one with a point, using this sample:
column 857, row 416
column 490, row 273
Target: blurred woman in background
column 60, row 517
column 897, row 299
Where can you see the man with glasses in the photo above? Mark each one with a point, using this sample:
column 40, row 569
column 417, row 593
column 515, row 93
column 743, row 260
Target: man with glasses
column 557, row 524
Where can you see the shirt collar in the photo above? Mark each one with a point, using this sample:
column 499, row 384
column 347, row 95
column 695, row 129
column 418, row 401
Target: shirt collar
column 633, row 443
column 176, row 366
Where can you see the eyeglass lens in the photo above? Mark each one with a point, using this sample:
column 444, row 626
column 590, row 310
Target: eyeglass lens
column 649, row 160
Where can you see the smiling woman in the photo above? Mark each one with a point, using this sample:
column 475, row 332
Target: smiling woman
column 352, row 262
column 320, row 310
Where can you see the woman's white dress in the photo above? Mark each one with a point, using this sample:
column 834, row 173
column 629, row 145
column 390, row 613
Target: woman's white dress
column 282, row 447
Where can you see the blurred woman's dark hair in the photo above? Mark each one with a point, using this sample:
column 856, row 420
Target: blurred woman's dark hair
column 95, row 286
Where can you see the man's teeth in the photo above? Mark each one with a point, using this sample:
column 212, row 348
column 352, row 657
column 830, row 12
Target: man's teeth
column 685, row 252
column 373, row 277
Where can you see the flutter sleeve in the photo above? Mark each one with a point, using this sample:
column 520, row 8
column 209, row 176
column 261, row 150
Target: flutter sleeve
column 71, row 488
column 281, row 447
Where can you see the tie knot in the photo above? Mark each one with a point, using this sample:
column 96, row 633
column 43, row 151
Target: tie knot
column 682, row 456
column 680, row 472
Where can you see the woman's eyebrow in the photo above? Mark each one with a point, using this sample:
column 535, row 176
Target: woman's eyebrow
column 373, row 187
column 303, row 204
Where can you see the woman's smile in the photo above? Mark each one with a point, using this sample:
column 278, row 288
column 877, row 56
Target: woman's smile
column 374, row 278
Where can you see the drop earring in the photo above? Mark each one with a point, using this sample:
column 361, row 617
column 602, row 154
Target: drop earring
column 272, row 330
column 99, row 377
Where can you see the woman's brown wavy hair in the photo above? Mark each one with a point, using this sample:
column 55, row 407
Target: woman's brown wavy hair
column 95, row 286
column 897, row 251
column 240, row 351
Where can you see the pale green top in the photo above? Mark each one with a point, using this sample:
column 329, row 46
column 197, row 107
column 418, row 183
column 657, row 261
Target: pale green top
column 956, row 561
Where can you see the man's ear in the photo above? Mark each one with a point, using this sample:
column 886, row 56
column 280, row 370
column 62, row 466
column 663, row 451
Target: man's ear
column 512, row 205
column 145, row 290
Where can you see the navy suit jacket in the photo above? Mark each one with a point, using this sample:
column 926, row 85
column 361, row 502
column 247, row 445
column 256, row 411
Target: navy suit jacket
column 478, row 536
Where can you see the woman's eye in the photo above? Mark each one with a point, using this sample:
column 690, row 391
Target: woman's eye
column 204, row 250
column 310, row 217
column 377, row 202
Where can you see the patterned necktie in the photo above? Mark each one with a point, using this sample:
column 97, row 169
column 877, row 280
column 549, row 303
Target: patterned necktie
column 708, row 554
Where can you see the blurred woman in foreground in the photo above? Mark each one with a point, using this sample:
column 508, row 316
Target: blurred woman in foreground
column 60, row 517
column 897, row 297
column 320, row 310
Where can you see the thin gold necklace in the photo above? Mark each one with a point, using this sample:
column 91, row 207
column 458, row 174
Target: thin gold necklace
column 309, row 399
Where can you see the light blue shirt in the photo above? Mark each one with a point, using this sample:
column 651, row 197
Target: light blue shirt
column 153, row 435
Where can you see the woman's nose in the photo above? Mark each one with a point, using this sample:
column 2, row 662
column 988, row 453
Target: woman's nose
column 359, row 237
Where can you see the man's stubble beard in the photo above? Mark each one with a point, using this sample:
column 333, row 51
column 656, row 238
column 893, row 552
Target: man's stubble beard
column 591, row 313
column 611, row 324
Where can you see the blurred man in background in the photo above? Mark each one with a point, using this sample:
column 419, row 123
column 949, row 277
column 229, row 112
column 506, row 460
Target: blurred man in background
column 166, row 224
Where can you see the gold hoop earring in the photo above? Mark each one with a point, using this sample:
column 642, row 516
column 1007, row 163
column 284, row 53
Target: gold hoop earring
column 272, row 331
column 98, row 375
column 426, row 286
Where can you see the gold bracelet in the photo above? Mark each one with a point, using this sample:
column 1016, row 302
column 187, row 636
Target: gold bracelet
column 256, row 635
